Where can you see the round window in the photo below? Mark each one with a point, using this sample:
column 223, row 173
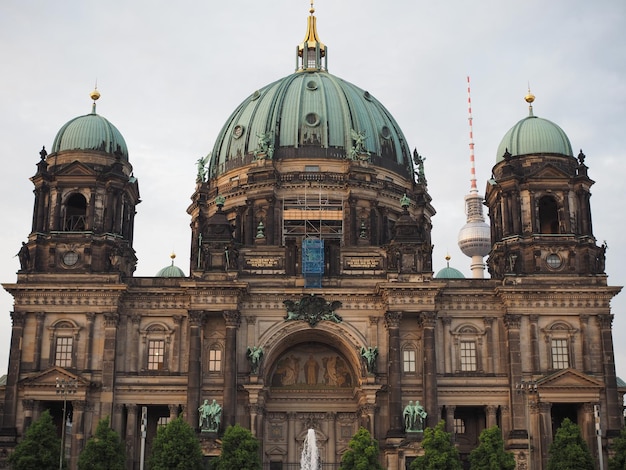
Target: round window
column 312, row 119
column 238, row 131
column 70, row 258
column 554, row 261
column 311, row 85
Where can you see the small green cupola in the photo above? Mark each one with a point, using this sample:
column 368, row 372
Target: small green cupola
column 311, row 51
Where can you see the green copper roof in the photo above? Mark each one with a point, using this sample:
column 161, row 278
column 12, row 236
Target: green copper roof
column 449, row 273
column 90, row 132
column 533, row 135
column 170, row 271
column 312, row 114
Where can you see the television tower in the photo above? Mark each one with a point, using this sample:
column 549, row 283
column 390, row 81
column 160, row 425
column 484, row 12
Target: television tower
column 475, row 235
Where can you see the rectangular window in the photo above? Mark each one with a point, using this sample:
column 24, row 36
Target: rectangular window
column 215, row 360
column 162, row 422
column 560, row 354
column 276, row 466
column 156, row 353
column 459, row 426
column 468, row 356
column 408, row 360
column 63, row 353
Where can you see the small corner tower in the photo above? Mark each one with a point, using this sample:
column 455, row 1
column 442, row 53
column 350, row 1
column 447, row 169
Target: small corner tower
column 85, row 198
column 538, row 199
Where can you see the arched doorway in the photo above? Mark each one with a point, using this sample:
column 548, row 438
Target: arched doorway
column 310, row 384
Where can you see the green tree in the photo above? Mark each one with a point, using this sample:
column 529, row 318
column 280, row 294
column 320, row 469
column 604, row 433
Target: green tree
column 618, row 461
column 439, row 452
column 490, row 453
column 362, row 453
column 175, row 446
column 40, row 448
column 568, row 450
column 240, row 450
column 104, row 451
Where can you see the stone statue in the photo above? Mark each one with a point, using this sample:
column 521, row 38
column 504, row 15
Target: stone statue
column 369, row 355
column 419, row 162
column 255, row 355
column 414, row 417
column 358, row 151
column 210, row 416
column 265, row 150
column 202, row 170
column 24, row 256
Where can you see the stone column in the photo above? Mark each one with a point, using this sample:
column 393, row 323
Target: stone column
column 111, row 321
column 15, row 359
column 291, row 437
column 534, row 343
column 543, row 433
column 116, row 418
column 250, row 229
column 40, row 316
column 331, row 417
column 491, row 412
column 270, row 221
column 392, row 323
column 91, row 318
column 233, row 320
column 448, row 351
column 429, row 320
column 28, row 406
column 584, row 327
column 194, row 373
column 78, row 431
column 134, row 345
column 173, row 409
column 513, row 324
column 489, row 365
column 131, row 426
column 613, row 408
column 450, row 421
column 176, row 348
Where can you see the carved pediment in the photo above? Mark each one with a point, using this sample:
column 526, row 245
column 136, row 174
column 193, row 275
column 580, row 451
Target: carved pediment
column 570, row 386
column 44, row 384
column 550, row 171
column 76, row 168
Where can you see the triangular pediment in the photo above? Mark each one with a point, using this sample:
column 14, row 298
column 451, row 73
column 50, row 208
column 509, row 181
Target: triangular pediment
column 76, row 168
column 48, row 379
column 549, row 171
column 570, row 379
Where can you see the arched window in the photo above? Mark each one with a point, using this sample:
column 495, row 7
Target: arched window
column 559, row 339
column 63, row 339
column 75, row 213
column 468, row 342
column 156, row 340
column 548, row 215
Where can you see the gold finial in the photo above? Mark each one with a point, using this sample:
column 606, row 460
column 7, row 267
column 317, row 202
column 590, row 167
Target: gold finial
column 95, row 94
column 172, row 257
column 529, row 98
column 312, row 10
column 448, row 257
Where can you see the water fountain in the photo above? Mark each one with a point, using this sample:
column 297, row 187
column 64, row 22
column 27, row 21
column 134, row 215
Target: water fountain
column 310, row 456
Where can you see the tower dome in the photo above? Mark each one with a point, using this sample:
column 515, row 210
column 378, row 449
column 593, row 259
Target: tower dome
column 171, row 270
column 534, row 135
column 90, row 132
column 311, row 112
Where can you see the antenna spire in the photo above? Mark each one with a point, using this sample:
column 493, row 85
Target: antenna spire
column 473, row 188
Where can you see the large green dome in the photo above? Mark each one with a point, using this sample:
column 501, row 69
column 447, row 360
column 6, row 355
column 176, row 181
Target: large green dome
column 311, row 113
column 90, row 132
column 534, row 135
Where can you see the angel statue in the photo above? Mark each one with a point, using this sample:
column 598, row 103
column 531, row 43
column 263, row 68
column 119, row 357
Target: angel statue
column 255, row 354
column 202, row 170
column 419, row 162
column 358, row 151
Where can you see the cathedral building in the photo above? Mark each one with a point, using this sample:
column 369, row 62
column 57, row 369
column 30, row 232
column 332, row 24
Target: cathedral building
column 311, row 301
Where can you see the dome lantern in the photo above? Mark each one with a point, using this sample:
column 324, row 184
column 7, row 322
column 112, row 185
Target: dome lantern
column 311, row 50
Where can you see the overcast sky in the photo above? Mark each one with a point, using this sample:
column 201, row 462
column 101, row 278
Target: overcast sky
column 170, row 73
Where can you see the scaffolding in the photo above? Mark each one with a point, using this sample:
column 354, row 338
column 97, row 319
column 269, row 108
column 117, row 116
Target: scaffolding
column 312, row 215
